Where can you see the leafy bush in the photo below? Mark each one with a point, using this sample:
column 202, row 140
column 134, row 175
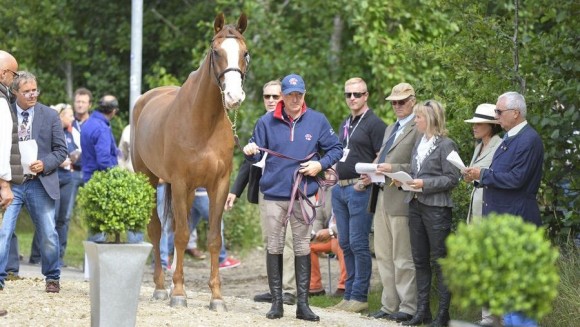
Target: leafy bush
column 504, row 264
column 116, row 201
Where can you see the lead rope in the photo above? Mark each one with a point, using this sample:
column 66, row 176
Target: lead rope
column 302, row 193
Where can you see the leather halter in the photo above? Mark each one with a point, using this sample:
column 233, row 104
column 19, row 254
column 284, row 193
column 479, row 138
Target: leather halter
column 220, row 75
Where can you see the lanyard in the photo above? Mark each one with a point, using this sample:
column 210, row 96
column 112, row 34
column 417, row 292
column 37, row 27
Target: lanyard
column 347, row 126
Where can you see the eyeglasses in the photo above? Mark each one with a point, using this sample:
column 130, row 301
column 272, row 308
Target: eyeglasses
column 356, row 94
column 401, row 102
column 271, row 96
column 31, row 94
column 499, row 112
column 13, row 72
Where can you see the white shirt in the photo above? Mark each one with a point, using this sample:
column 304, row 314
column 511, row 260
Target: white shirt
column 5, row 140
column 402, row 123
column 516, row 129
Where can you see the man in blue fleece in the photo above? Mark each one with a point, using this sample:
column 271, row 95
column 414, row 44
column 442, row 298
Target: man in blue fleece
column 295, row 131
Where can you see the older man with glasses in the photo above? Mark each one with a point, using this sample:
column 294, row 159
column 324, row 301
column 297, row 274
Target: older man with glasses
column 8, row 126
column 510, row 184
column 361, row 134
column 250, row 175
column 391, row 220
column 39, row 125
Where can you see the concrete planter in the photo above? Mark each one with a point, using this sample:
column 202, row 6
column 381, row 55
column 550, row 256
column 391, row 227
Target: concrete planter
column 116, row 274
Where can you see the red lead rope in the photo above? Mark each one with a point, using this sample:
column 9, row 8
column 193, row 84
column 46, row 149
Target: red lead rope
column 301, row 193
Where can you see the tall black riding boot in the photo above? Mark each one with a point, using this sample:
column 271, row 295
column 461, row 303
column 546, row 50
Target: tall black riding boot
column 274, row 268
column 442, row 318
column 302, row 269
column 423, row 314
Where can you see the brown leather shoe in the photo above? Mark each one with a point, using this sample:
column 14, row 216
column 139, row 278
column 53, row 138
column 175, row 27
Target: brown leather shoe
column 52, row 286
column 195, row 253
column 3, row 312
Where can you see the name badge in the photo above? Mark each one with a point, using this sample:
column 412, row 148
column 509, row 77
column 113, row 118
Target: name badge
column 344, row 154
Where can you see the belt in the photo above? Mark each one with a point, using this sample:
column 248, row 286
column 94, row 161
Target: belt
column 347, row 182
column 29, row 177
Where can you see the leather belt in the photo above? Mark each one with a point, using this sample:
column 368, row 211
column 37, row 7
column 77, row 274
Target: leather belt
column 347, row 182
column 29, row 177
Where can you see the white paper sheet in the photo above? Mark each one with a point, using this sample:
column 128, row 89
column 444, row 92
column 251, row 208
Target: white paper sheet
column 28, row 154
column 262, row 163
column 403, row 177
column 369, row 169
column 455, row 160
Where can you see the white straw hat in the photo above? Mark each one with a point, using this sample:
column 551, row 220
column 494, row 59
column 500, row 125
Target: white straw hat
column 484, row 114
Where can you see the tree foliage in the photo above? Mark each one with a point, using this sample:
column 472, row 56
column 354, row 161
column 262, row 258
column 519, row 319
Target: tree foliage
column 459, row 52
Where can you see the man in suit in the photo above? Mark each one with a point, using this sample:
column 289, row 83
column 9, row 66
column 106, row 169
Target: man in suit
column 511, row 183
column 391, row 220
column 40, row 188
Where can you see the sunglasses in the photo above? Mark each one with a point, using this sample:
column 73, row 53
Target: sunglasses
column 402, row 102
column 499, row 112
column 271, row 96
column 355, row 94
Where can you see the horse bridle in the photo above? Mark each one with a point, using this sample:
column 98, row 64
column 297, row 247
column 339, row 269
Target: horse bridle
column 219, row 84
column 227, row 70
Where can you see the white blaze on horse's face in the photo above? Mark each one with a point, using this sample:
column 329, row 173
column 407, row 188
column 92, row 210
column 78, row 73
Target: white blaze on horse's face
column 234, row 94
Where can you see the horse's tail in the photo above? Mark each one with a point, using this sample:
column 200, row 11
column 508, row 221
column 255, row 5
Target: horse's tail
column 167, row 204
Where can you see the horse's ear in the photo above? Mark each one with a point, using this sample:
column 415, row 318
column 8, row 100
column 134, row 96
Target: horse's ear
column 242, row 23
column 218, row 23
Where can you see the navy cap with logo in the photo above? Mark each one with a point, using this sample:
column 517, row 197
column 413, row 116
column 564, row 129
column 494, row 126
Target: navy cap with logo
column 293, row 83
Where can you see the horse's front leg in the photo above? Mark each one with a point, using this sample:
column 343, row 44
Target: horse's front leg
column 154, row 230
column 180, row 203
column 217, row 199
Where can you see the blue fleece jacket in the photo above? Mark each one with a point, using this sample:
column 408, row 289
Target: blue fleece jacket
column 98, row 144
column 310, row 132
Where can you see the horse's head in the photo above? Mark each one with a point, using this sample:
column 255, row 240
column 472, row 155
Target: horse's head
column 230, row 59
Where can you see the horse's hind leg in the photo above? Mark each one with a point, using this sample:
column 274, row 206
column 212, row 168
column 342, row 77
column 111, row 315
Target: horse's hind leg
column 155, row 229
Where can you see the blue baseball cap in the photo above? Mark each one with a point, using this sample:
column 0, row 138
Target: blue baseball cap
column 293, row 83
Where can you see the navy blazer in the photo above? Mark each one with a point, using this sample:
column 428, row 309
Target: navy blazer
column 52, row 150
column 439, row 175
column 511, row 183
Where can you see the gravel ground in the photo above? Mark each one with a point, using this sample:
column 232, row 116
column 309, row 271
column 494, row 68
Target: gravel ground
column 29, row 305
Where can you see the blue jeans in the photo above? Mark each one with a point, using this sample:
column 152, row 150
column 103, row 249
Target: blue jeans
column 354, row 222
column 13, row 265
column 41, row 208
column 199, row 210
column 63, row 210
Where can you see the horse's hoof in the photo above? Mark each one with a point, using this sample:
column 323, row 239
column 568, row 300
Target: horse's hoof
column 160, row 295
column 178, row 301
column 218, row 305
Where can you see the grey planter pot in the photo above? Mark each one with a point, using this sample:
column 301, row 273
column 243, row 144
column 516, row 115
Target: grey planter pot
column 116, row 274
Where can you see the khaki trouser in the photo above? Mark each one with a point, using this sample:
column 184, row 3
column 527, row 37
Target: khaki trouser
column 288, row 274
column 395, row 261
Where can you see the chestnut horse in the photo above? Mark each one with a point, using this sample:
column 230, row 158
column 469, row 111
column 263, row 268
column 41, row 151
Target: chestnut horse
column 183, row 135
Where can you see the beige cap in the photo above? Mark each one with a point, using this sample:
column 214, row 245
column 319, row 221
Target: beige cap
column 401, row 91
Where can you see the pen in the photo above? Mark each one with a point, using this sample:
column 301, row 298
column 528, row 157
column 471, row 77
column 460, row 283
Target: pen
column 392, row 183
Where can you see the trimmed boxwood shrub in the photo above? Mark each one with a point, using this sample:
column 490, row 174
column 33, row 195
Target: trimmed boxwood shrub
column 116, row 201
column 504, row 264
